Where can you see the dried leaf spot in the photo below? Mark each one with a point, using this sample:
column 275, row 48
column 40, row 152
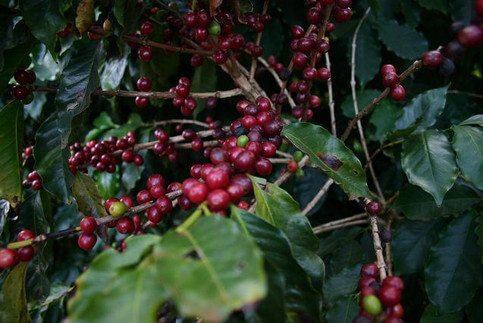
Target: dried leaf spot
column 330, row 160
column 192, row 254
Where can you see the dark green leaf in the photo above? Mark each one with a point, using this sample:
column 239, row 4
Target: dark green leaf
column 11, row 145
column 348, row 255
column 388, row 29
column 343, row 311
column 383, row 119
column 299, row 294
column 331, row 155
column 331, row 241
column 368, row 55
column 429, row 162
column 440, row 5
column 13, row 301
column 421, row 112
column 32, row 214
column 432, row 314
column 462, row 10
column 282, row 211
column 51, row 159
column 87, row 196
column 127, row 13
column 113, row 72
column 80, row 78
column 454, row 271
column 104, row 121
column 468, row 144
column 411, row 243
column 202, row 83
column 108, row 184
column 364, row 97
column 308, row 186
column 416, row 204
column 474, row 310
column 342, row 283
column 132, row 124
column 412, row 12
column 476, row 120
column 131, row 174
column 44, row 19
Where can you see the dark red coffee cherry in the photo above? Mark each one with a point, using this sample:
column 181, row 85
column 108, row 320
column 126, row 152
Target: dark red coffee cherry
column 22, row 77
column 88, row 225
column 470, row 36
column 8, row 258
column 393, row 281
column 25, row 235
column 19, row 92
column 26, row 253
column 398, row 93
column 432, row 59
column 87, row 241
column 373, row 208
column 390, row 79
column 144, row 84
column 198, row 192
column 370, row 270
column 147, row 28
column 218, row 200
column 125, row 226
column 389, row 296
column 387, row 68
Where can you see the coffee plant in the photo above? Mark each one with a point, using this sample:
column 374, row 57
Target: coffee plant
column 241, row 161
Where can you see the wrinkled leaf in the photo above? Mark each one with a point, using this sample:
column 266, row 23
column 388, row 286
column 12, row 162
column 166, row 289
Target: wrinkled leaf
column 341, row 284
column 331, row 155
column 429, row 162
column 11, row 145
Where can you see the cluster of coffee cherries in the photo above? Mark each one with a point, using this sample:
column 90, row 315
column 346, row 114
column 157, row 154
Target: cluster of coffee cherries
column 21, row 91
column 11, row 257
column 144, row 84
column 103, row 155
column 379, row 302
column 183, row 101
column 390, row 79
column 27, row 152
column 33, row 181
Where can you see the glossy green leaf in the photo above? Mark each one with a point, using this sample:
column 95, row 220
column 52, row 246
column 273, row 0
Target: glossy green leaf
column 368, row 54
column 382, row 120
column 113, row 72
column 433, row 314
column 454, row 271
column 411, row 243
column 416, row 204
column 388, row 29
column 225, row 273
column 108, row 184
column 13, row 301
column 132, row 124
column 44, row 19
column 51, row 159
column 299, row 295
column 343, row 311
column 112, row 279
column 468, row 144
column 421, row 113
column 348, row 255
column 412, row 12
column 11, row 145
column 476, row 120
column 429, row 162
column 342, row 283
column 331, row 155
column 127, row 13
column 80, row 78
column 208, row 270
column 278, row 208
column 364, row 97
column 104, row 121
column 87, row 196
column 440, row 5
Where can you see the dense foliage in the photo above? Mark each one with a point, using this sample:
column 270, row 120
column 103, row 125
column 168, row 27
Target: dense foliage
column 241, row 160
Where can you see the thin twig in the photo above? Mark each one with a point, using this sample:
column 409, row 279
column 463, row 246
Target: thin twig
column 381, row 264
column 169, row 48
column 333, row 125
column 286, row 175
column 479, row 96
column 318, row 196
column 291, row 102
column 356, row 106
column 153, row 94
column 182, row 121
column 253, row 66
column 327, row 227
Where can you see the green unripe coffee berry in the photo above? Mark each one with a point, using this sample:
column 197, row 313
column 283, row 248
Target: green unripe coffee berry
column 117, row 209
column 356, row 145
column 299, row 173
column 298, row 155
column 372, row 305
column 214, row 28
column 283, row 147
column 242, row 141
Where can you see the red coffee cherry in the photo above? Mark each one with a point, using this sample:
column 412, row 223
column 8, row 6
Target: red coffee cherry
column 470, row 36
column 198, row 192
column 26, row 253
column 387, row 68
column 8, row 258
column 398, row 93
column 373, row 208
column 432, row 59
column 390, row 79
column 389, row 296
column 125, row 226
column 87, row 241
column 88, row 225
column 25, row 235
column 218, row 200
column 370, row 270
column 147, row 28
column 394, row 281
